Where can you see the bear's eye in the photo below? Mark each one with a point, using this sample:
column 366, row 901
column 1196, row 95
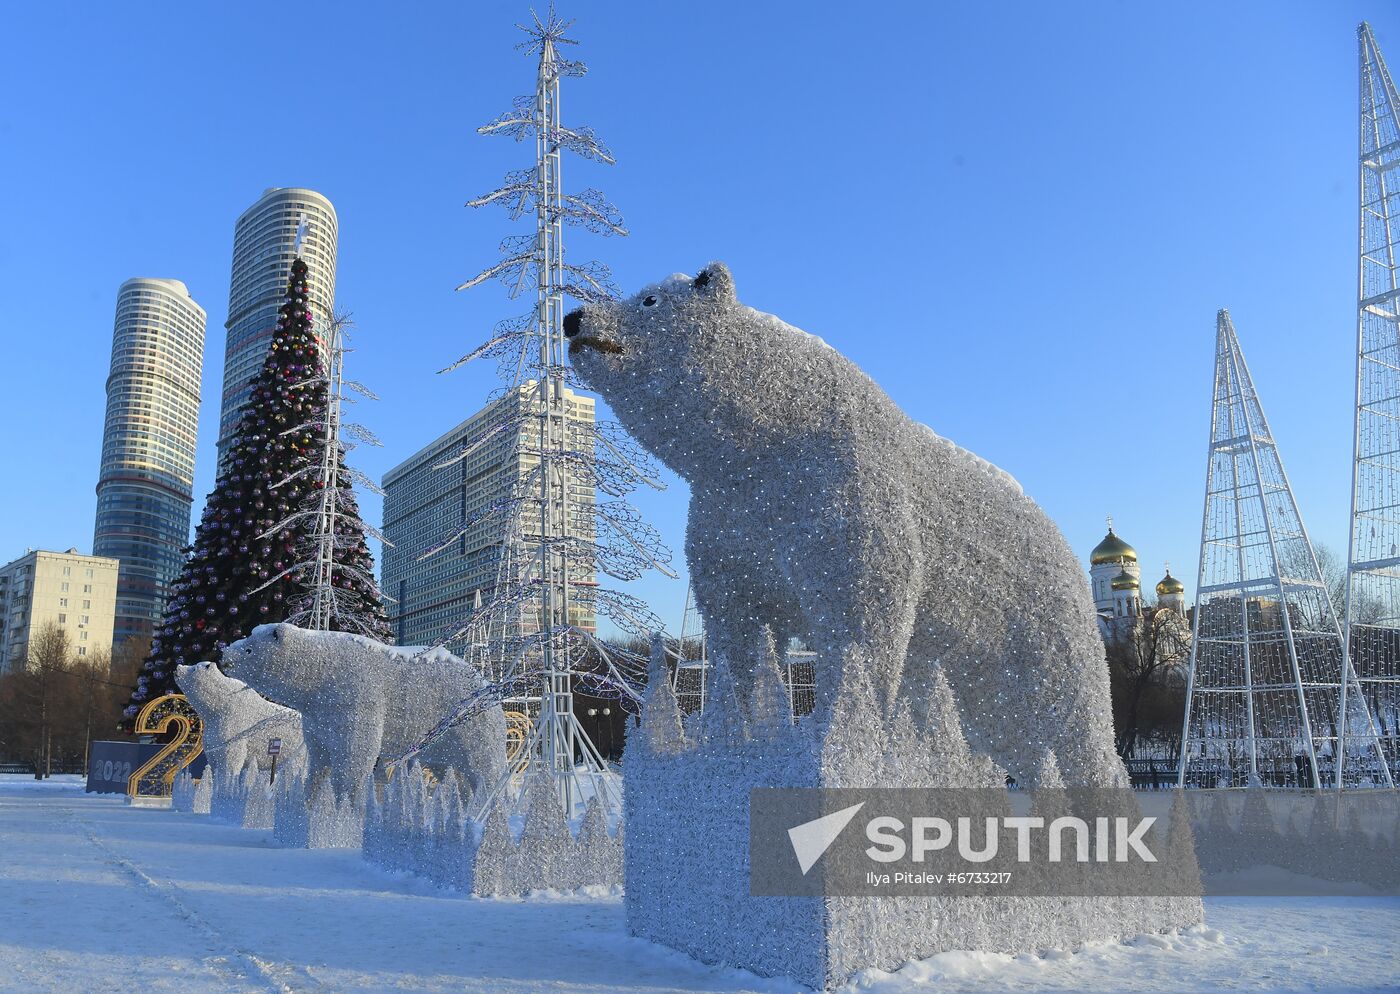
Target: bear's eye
column 649, row 302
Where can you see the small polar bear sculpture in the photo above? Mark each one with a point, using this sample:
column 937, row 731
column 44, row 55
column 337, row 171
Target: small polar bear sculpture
column 819, row 509
column 238, row 722
column 360, row 700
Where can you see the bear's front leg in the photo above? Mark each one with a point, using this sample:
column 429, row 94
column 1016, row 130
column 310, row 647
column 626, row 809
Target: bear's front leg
column 860, row 601
column 734, row 626
column 236, row 754
column 736, row 586
column 478, row 753
column 355, row 757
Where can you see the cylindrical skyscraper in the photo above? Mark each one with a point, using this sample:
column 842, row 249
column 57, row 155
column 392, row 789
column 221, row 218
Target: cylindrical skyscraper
column 264, row 245
column 145, row 484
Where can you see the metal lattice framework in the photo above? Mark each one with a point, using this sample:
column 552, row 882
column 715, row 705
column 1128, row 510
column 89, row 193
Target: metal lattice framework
column 557, row 536
column 1373, row 573
column 1265, row 678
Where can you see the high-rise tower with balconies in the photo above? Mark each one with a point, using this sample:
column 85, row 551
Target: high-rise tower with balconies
column 146, row 478
column 265, row 241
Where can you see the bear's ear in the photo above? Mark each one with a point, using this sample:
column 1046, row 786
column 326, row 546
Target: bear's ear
column 715, row 279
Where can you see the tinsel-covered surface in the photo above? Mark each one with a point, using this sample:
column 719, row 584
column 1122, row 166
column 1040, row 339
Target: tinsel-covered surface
column 238, row 722
column 1351, row 836
column 291, row 819
column 190, row 795
column 820, row 510
column 426, row 830
column 686, row 815
column 241, row 797
column 233, row 578
column 360, row 700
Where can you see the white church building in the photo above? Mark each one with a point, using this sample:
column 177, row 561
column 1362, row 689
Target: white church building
column 1116, row 580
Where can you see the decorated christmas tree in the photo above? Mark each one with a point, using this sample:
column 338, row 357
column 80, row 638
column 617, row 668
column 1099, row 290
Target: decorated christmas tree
column 257, row 527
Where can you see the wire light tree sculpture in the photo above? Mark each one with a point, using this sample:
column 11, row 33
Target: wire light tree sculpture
column 1266, row 666
column 556, row 536
column 332, row 559
column 1373, row 569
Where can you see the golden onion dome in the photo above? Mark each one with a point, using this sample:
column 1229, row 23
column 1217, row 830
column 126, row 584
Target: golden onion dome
column 1111, row 550
column 1170, row 585
column 1124, row 581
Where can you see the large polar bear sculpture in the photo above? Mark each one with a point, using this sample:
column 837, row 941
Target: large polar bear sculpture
column 360, row 700
column 819, row 509
column 238, row 722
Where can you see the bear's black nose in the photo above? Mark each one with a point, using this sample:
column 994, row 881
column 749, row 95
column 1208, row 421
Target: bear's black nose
column 572, row 321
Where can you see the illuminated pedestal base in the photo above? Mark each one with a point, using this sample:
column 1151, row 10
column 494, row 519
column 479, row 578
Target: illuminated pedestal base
column 687, row 851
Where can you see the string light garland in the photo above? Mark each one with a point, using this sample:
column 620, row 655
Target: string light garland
column 1266, row 679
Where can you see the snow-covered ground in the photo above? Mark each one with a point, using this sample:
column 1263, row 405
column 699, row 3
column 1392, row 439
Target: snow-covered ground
column 96, row 896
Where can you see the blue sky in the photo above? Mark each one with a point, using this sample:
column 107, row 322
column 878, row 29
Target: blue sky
column 1019, row 219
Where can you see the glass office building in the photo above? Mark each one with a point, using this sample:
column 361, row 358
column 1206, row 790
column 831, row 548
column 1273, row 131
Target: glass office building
column 424, row 504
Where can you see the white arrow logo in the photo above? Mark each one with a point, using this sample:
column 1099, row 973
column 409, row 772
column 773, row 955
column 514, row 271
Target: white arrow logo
column 812, row 838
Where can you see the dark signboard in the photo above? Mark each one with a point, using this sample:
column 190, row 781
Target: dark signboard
column 111, row 764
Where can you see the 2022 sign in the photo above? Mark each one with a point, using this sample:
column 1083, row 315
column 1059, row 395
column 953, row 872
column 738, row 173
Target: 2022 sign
column 110, row 764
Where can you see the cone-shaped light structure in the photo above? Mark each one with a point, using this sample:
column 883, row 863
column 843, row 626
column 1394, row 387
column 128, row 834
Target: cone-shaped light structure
column 1266, row 660
column 1372, row 609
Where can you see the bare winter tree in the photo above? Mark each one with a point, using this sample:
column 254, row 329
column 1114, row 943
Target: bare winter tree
column 1333, row 564
column 89, row 700
column 34, row 695
column 1145, row 663
column 126, row 662
column 53, row 708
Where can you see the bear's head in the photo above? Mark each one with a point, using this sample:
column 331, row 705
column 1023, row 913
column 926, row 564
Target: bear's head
column 213, row 692
column 277, row 661
column 200, row 680
column 302, row 669
column 650, row 355
column 706, row 382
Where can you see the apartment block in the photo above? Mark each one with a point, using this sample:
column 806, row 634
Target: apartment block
column 77, row 593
